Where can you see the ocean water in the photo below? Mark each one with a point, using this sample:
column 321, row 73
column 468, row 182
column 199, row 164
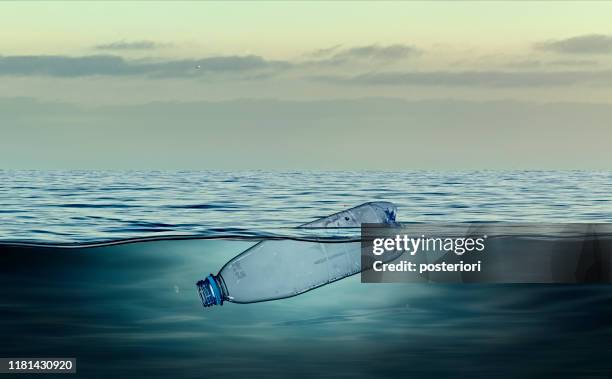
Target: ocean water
column 132, row 310
column 87, row 206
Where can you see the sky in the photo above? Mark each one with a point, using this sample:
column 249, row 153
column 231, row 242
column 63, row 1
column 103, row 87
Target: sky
column 305, row 85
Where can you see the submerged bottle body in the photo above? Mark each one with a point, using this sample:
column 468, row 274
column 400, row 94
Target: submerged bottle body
column 284, row 268
column 279, row 269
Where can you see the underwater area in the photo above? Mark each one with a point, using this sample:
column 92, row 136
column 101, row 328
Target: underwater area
column 68, row 288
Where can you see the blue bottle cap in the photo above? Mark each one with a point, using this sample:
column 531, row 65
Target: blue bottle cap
column 209, row 291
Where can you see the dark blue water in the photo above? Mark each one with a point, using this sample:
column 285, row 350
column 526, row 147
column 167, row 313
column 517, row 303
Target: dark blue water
column 132, row 310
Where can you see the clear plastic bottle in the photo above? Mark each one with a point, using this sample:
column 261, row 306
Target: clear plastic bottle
column 376, row 212
column 276, row 269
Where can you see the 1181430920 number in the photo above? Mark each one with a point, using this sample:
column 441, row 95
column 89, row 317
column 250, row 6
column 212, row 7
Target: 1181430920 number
column 55, row 365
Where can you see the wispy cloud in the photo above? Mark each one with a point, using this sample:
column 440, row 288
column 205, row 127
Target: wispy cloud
column 528, row 63
column 475, row 78
column 388, row 52
column 585, row 44
column 574, row 62
column 534, row 63
column 324, row 52
column 131, row 45
column 111, row 65
column 337, row 55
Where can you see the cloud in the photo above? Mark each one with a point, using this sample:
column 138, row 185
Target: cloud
column 574, row 62
column 529, row 63
column 133, row 45
column 325, row 51
column 585, row 44
column 389, row 52
column 336, row 55
column 111, row 65
column 533, row 63
column 475, row 78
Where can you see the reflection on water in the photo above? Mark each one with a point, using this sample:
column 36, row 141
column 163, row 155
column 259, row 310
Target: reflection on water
column 132, row 311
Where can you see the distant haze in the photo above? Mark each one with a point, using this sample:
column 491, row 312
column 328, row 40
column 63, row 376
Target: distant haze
column 300, row 85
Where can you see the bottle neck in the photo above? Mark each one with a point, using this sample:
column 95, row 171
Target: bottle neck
column 210, row 290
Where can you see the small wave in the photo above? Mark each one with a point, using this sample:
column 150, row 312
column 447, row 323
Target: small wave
column 93, row 205
column 204, row 206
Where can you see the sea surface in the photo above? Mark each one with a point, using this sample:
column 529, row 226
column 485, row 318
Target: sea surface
column 94, row 206
column 131, row 309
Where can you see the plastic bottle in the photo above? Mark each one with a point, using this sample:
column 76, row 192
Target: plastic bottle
column 276, row 269
column 377, row 212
